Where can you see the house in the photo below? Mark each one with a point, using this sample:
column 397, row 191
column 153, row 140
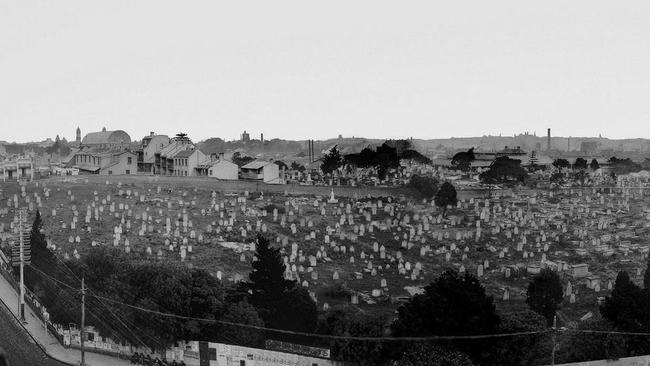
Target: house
column 151, row 145
column 164, row 159
column 266, row 171
column 186, row 161
column 104, row 162
column 121, row 163
column 17, row 167
column 218, row 168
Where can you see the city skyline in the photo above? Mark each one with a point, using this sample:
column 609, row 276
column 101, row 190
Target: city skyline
column 422, row 70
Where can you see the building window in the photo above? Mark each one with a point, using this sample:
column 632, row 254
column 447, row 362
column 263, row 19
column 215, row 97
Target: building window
column 110, row 172
column 210, row 172
column 128, row 161
column 128, row 171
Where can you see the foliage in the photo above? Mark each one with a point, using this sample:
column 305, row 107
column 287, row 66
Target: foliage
column 281, row 164
column 580, row 163
column 446, row 196
column 545, row 294
column 452, row 304
column 242, row 313
column 415, row 156
column 384, row 158
column 280, row 303
column 581, row 347
column 423, row 186
column 623, row 166
column 594, row 164
column 624, row 306
column 503, row 170
column 561, row 163
column 463, row 160
column 432, row 355
column 522, row 350
column 331, row 161
column 297, row 166
column 349, row 321
column 240, row 159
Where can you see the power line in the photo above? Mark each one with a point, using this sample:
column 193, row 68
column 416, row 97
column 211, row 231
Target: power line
column 75, row 290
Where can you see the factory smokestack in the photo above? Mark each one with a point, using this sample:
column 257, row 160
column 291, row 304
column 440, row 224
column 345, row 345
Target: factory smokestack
column 548, row 140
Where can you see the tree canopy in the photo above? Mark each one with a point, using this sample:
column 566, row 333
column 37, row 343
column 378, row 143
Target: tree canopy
column 331, row 161
column 423, row 186
column 452, row 304
column 503, row 170
column 580, row 163
column 280, row 303
column 545, row 294
column 463, row 160
column 594, row 164
column 446, row 195
column 561, row 163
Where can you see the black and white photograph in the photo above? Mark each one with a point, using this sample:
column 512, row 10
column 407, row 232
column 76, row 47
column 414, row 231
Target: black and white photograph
column 324, row 183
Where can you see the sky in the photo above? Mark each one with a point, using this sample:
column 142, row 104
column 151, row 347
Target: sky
column 306, row 69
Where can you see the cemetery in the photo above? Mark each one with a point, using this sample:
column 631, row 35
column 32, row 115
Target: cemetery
column 373, row 249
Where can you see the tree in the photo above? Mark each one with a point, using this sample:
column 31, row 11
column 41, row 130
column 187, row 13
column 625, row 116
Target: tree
column 463, row 160
column 545, row 294
column 331, row 160
column 297, row 166
column 446, row 196
column 502, row 170
column 240, row 159
column 582, row 347
column 625, row 305
column 594, row 164
column 433, row 355
column 414, row 156
column 281, row 164
column 423, row 187
column 350, row 321
column 580, row 163
column 452, row 304
column 525, row 349
column 561, row 163
column 241, row 313
column 623, row 166
column 278, row 302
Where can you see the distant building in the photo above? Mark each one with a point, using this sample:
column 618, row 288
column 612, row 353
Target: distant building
column 17, row 167
column 110, row 162
column 589, row 147
column 186, row 161
column 151, row 145
column 164, row 159
column 266, row 171
column 107, row 139
column 218, row 168
column 245, row 137
column 78, row 138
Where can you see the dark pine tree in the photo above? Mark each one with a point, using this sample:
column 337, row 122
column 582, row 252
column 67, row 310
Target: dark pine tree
column 446, row 196
column 545, row 294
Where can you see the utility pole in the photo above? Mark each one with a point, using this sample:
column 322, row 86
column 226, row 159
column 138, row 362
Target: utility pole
column 553, row 342
column 23, row 257
column 83, row 320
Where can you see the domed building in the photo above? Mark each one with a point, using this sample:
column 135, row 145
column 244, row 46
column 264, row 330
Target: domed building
column 107, row 139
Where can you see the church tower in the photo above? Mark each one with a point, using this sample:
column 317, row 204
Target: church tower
column 78, row 140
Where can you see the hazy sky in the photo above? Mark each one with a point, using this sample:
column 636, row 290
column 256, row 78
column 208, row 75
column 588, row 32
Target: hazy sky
column 304, row 69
